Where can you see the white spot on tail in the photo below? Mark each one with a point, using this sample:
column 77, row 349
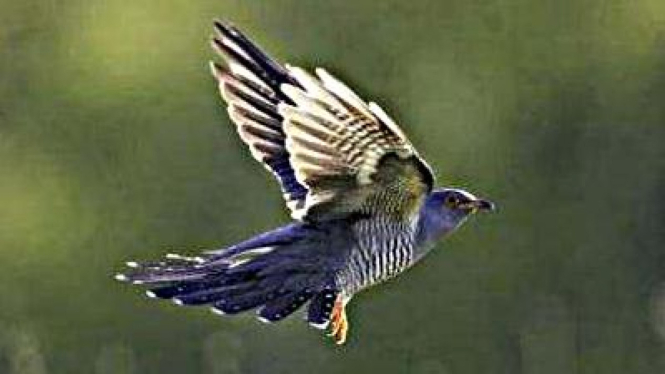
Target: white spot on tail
column 237, row 263
column 263, row 319
column 175, row 256
column 217, row 311
column 320, row 326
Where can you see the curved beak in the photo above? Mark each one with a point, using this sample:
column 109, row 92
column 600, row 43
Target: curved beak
column 483, row 205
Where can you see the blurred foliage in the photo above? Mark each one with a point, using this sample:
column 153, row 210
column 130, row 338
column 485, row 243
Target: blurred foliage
column 114, row 146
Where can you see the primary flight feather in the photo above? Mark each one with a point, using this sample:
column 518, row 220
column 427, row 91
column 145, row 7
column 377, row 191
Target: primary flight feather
column 362, row 199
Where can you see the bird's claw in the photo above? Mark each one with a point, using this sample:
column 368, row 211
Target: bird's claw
column 339, row 324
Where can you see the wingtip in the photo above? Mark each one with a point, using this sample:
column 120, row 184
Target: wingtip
column 216, row 70
column 217, row 44
column 222, row 25
column 321, row 73
column 226, row 28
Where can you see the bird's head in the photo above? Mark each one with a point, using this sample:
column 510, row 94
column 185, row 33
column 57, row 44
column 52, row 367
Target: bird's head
column 447, row 208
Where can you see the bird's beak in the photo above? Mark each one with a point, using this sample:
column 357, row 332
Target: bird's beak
column 481, row 205
column 485, row 205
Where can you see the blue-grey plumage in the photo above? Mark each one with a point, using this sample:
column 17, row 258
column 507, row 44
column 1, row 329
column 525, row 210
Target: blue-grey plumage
column 362, row 198
column 383, row 247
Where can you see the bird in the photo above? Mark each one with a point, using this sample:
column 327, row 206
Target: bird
column 363, row 202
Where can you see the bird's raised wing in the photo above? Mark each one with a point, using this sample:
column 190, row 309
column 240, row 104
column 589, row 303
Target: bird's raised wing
column 250, row 84
column 334, row 153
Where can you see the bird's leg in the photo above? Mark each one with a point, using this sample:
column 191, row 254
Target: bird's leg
column 338, row 322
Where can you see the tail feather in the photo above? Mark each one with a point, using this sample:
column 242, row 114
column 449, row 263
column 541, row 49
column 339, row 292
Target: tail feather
column 284, row 306
column 282, row 236
column 318, row 313
column 277, row 273
column 180, row 288
column 163, row 275
column 205, row 296
column 210, row 294
column 246, row 301
column 174, row 289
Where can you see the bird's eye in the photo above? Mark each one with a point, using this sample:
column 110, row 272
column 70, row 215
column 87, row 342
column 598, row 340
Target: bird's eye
column 451, row 201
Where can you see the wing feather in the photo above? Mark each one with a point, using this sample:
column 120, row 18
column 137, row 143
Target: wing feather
column 337, row 142
column 332, row 152
column 249, row 83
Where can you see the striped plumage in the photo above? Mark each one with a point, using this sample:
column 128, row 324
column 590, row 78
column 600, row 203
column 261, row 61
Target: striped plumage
column 362, row 198
column 383, row 248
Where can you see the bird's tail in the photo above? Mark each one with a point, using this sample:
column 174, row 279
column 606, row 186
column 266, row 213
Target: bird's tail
column 273, row 272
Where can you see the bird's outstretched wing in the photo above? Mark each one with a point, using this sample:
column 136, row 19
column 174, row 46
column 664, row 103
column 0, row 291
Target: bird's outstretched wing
column 250, row 84
column 333, row 153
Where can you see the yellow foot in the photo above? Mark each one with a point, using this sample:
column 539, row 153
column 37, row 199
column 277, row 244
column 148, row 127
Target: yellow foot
column 339, row 325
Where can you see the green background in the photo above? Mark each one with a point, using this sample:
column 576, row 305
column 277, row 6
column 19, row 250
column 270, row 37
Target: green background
column 115, row 146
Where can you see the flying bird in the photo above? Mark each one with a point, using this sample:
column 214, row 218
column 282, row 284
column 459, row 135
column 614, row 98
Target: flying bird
column 362, row 199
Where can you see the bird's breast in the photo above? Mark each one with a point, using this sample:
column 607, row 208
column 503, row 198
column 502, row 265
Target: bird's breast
column 382, row 249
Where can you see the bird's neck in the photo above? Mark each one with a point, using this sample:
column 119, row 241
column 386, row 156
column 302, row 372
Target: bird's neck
column 426, row 232
column 432, row 225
